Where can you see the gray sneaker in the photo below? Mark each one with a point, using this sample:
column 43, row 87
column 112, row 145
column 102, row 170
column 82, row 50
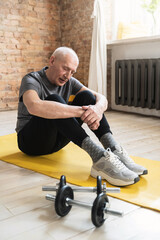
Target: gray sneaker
column 109, row 167
column 125, row 158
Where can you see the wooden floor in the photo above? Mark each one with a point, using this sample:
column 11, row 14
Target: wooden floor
column 25, row 214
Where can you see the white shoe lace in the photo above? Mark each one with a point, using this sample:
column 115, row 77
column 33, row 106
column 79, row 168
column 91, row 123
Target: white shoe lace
column 113, row 159
column 122, row 151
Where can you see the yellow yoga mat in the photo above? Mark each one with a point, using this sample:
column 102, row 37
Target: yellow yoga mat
column 75, row 164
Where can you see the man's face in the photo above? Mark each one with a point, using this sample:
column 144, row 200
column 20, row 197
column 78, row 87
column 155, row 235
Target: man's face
column 61, row 69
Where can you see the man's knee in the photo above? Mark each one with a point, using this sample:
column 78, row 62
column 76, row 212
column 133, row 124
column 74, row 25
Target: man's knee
column 85, row 98
column 56, row 98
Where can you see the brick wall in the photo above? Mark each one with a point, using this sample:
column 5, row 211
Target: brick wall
column 29, row 33
column 30, row 30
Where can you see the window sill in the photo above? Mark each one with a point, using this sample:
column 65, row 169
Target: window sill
column 132, row 41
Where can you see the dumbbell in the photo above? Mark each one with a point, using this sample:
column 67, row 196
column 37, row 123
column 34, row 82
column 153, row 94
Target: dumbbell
column 64, row 200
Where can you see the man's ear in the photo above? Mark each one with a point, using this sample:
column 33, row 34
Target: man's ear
column 52, row 60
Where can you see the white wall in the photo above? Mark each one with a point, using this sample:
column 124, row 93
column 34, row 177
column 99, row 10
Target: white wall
column 133, row 49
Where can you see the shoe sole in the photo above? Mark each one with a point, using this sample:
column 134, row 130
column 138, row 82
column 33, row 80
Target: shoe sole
column 113, row 181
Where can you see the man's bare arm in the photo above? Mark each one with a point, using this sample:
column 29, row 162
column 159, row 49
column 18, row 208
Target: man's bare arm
column 49, row 109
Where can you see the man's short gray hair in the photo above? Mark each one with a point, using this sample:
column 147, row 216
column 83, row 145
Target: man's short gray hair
column 63, row 51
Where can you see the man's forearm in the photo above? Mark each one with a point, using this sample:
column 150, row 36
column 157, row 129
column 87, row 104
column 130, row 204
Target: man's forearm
column 55, row 110
column 101, row 102
column 49, row 109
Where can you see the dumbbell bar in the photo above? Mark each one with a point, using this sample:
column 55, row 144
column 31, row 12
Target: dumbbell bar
column 84, row 189
column 71, row 202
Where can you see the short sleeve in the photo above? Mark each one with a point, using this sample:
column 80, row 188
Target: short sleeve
column 76, row 85
column 29, row 83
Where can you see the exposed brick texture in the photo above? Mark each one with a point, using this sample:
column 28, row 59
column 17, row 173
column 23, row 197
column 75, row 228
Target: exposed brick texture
column 29, row 33
column 30, row 30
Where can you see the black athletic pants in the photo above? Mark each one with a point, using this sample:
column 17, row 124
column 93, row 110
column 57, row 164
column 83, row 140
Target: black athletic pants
column 44, row 136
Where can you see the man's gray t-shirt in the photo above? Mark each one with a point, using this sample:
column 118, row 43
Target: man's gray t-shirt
column 39, row 82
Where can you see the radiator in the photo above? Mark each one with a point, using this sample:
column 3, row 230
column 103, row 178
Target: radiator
column 137, row 83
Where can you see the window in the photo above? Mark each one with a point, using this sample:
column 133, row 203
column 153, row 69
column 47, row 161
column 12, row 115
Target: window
column 135, row 18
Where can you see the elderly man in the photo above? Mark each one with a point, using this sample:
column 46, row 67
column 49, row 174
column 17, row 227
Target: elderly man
column 46, row 122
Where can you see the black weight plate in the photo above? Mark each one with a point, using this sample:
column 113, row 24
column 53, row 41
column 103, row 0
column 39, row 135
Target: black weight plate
column 62, row 181
column 98, row 209
column 61, row 208
column 99, row 185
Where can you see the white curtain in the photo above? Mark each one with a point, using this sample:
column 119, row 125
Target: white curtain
column 98, row 60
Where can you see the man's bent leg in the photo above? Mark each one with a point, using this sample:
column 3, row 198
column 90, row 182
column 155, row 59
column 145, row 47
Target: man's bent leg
column 104, row 133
